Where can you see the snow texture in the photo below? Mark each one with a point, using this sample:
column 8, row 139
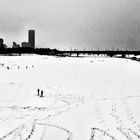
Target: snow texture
column 84, row 98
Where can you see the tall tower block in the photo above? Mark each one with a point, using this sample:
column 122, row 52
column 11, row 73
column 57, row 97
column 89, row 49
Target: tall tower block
column 31, row 38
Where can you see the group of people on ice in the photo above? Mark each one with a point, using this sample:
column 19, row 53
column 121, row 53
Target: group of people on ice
column 26, row 67
column 19, row 67
column 40, row 93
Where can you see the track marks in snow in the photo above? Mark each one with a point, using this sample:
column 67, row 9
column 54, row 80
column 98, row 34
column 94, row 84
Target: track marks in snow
column 69, row 134
column 31, row 131
column 127, row 125
column 124, row 125
column 30, row 114
column 95, row 135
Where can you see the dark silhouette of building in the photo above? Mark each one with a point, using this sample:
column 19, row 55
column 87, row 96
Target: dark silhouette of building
column 25, row 44
column 1, row 43
column 31, row 38
column 15, row 45
column 4, row 46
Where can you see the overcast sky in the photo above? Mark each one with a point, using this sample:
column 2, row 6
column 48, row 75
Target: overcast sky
column 66, row 24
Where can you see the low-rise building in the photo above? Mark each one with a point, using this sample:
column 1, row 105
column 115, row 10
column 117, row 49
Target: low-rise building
column 15, row 45
column 25, row 45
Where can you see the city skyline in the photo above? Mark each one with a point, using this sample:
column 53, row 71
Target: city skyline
column 31, row 40
column 76, row 24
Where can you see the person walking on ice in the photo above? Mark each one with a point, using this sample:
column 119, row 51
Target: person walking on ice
column 41, row 93
column 38, row 90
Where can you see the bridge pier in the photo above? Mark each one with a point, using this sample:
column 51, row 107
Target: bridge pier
column 77, row 54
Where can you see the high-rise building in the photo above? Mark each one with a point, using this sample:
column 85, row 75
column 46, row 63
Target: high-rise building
column 1, row 43
column 31, row 38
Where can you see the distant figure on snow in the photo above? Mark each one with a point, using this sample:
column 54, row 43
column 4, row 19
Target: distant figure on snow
column 41, row 93
column 38, row 90
column 26, row 67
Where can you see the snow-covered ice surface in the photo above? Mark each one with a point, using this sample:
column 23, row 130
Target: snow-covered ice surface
column 85, row 98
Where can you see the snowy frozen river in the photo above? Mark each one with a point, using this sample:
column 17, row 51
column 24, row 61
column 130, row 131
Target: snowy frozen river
column 85, row 98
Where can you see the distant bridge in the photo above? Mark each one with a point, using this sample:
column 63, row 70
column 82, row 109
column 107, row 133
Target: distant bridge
column 109, row 53
column 48, row 51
